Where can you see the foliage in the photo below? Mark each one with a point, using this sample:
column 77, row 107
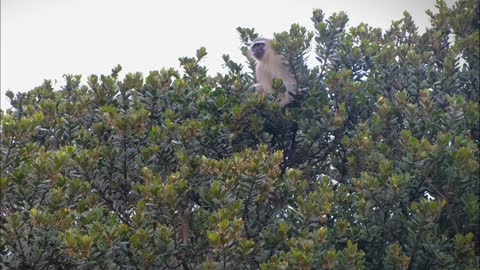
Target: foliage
column 374, row 166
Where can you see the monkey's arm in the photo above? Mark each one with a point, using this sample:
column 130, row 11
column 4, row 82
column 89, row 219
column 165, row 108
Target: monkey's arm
column 259, row 88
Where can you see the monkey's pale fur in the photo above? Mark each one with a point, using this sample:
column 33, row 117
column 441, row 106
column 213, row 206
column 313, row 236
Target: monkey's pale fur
column 269, row 66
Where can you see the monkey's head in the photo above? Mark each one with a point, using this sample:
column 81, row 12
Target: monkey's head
column 259, row 48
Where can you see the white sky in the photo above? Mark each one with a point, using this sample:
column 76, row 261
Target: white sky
column 44, row 39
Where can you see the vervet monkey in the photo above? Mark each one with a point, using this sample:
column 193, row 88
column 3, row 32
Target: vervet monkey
column 270, row 65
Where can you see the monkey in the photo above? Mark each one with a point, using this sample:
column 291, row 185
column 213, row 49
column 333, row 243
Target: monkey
column 270, row 65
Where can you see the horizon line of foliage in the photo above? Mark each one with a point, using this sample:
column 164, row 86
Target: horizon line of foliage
column 374, row 166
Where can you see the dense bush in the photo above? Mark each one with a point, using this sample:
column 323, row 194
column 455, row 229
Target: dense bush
column 374, row 166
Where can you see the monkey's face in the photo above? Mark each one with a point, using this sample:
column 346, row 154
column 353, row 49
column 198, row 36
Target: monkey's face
column 258, row 50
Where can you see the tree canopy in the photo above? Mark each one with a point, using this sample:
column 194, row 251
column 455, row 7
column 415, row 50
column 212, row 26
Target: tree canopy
column 375, row 165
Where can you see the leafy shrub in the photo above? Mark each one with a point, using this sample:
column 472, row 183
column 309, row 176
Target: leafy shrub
column 374, row 166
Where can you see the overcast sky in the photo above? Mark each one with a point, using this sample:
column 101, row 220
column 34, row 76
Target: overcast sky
column 44, row 39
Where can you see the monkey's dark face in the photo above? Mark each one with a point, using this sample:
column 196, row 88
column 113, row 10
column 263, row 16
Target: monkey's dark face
column 258, row 50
